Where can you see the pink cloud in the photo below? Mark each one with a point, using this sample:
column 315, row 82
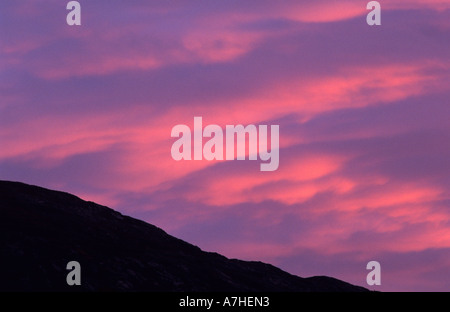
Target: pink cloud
column 219, row 46
column 362, row 123
column 324, row 12
column 250, row 186
column 438, row 5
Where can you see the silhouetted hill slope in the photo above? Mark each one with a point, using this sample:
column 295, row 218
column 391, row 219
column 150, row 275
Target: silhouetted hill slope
column 42, row 230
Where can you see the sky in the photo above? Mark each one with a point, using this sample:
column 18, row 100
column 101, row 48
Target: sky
column 363, row 114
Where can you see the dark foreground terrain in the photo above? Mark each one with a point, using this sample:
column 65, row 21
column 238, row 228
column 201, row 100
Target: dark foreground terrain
column 42, row 230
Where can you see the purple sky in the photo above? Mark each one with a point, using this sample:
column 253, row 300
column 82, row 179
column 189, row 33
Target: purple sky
column 363, row 111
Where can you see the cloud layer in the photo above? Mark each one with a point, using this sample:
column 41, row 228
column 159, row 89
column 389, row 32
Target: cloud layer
column 363, row 114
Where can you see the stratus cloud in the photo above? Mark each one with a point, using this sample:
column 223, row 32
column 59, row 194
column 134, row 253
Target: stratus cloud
column 362, row 114
column 238, row 186
column 439, row 5
column 149, row 142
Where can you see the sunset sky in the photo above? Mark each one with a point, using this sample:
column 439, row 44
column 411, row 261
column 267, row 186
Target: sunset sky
column 364, row 116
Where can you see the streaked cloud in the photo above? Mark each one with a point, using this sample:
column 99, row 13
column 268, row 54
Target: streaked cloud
column 363, row 115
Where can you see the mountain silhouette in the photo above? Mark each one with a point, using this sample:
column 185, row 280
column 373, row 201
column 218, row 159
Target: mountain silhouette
column 42, row 230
